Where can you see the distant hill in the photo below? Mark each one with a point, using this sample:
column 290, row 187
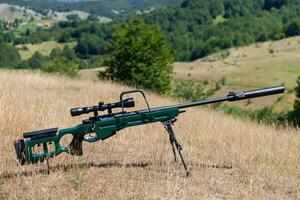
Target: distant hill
column 105, row 8
column 198, row 28
column 10, row 12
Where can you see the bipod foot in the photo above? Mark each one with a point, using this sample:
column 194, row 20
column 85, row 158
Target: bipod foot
column 174, row 143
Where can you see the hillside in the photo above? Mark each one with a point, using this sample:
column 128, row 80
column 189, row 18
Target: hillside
column 196, row 28
column 105, row 8
column 229, row 158
column 253, row 66
column 11, row 12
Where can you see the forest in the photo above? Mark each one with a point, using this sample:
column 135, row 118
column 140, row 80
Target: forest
column 193, row 30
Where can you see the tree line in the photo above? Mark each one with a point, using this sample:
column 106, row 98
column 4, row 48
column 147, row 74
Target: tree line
column 193, row 30
column 198, row 28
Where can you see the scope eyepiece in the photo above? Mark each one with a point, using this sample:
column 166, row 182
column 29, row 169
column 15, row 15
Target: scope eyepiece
column 126, row 103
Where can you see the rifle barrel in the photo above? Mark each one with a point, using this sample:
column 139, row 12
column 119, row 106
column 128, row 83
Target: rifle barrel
column 235, row 96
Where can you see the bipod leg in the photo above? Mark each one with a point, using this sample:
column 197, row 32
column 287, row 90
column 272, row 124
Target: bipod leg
column 48, row 166
column 172, row 142
column 168, row 126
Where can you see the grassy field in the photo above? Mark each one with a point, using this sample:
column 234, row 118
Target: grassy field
column 254, row 66
column 45, row 48
column 229, row 158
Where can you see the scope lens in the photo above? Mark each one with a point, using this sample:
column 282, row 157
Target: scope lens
column 76, row 111
column 128, row 103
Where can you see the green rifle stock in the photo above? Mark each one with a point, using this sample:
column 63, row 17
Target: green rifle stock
column 105, row 126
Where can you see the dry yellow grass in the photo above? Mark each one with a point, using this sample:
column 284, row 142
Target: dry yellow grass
column 229, row 158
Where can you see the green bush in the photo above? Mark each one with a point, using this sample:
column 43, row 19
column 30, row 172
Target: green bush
column 138, row 55
column 61, row 65
column 264, row 115
column 294, row 116
column 9, row 56
column 293, row 28
column 37, row 61
column 191, row 90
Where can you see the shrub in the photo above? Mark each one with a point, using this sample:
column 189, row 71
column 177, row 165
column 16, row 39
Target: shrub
column 61, row 65
column 9, row 56
column 37, row 61
column 138, row 54
column 294, row 116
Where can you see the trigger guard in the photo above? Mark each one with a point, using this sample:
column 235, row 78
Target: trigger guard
column 91, row 139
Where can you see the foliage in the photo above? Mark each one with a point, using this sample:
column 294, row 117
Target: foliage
column 192, row 31
column 264, row 115
column 64, row 37
column 191, row 90
column 37, row 61
column 69, row 53
column 139, row 55
column 9, row 56
column 294, row 116
column 293, row 28
column 90, row 44
column 61, row 65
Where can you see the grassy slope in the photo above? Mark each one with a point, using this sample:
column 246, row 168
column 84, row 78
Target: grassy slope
column 10, row 12
column 254, row 66
column 44, row 48
column 230, row 159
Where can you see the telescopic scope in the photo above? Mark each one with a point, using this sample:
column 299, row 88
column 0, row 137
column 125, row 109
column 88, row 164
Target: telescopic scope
column 127, row 103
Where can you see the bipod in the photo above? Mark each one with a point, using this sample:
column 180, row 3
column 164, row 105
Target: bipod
column 48, row 166
column 174, row 143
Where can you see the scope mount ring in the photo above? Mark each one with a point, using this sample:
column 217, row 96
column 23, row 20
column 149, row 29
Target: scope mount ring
column 130, row 92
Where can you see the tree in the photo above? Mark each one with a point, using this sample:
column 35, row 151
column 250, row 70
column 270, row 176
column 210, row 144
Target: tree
column 61, row 65
column 293, row 28
column 138, row 55
column 56, row 52
column 294, row 116
column 64, row 37
column 69, row 53
column 8, row 37
column 37, row 61
column 90, row 44
column 9, row 56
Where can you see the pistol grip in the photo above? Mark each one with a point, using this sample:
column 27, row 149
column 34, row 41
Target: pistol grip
column 20, row 151
column 76, row 145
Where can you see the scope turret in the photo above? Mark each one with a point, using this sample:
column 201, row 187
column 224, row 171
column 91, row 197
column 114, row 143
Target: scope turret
column 126, row 103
